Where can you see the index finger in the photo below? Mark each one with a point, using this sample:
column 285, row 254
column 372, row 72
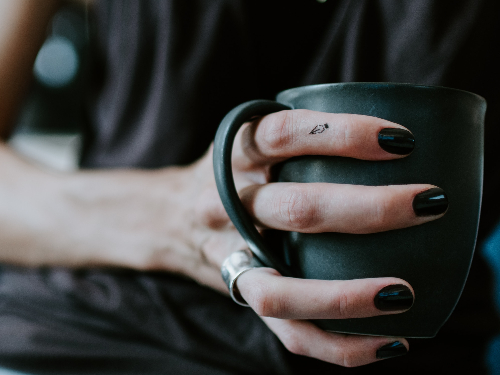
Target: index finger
column 281, row 135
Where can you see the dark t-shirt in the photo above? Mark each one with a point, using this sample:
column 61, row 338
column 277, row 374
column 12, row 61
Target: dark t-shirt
column 165, row 73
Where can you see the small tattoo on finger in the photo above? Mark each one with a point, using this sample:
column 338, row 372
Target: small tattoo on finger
column 319, row 129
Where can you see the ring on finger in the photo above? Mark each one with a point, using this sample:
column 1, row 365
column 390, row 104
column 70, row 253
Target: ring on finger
column 233, row 267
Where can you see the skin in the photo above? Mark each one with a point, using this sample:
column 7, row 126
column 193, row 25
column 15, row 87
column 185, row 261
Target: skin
column 104, row 219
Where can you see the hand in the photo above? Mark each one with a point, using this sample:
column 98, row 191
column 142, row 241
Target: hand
column 285, row 303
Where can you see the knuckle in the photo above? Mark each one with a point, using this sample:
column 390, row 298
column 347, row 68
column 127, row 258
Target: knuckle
column 266, row 302
column 344, row 133
column 345, row 136
column 278, row 131
column 348, row 355
column 261, row 305
column 349, row 358
column 379, row 215
column 343, row 305
column 269, row 306
column 261, row 300
column 296, row 209
column 294, row 344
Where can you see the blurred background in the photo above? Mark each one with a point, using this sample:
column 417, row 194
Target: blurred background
column 48, row 130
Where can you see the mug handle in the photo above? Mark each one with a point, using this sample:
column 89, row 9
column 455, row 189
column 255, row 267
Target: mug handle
column 223, row 146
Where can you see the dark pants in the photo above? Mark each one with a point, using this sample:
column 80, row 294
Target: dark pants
column 121, row 322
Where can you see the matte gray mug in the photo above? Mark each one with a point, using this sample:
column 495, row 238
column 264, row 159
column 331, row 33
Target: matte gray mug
column 434, row 257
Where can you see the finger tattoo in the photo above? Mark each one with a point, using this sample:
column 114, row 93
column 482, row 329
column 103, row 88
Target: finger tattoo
column 319, row 129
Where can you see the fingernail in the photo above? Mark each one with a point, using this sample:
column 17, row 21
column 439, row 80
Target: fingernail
column 391, row 350
column 396, row 141
column 430, row 202
column 394, row 298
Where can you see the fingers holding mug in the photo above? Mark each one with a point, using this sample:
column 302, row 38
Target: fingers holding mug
column 281, row 135
column 431, row 256
column 304, row 338
column 327, row 207
column 272, row 295
column 285, row 303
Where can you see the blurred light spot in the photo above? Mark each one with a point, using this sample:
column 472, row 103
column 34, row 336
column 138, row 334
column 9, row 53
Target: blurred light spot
column 57, row 62
column 491, row 252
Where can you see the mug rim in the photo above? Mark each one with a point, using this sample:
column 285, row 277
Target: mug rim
column 283, row 95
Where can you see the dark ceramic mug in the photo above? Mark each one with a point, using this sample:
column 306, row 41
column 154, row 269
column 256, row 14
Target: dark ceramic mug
column 434, row 257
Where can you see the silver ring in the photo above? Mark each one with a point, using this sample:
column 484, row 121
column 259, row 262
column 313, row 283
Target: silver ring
column 233, row 267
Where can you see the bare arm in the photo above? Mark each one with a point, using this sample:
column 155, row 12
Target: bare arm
column 23, row 24
column 23, row 213
column 91, row 218
column 82, row 219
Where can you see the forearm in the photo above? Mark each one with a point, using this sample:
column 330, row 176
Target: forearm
column 108, row 218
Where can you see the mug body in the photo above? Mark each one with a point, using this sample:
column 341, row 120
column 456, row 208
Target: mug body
column 434, row 257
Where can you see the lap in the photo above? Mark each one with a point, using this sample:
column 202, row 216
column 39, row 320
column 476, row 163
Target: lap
column 122, row 322
column 102, row 319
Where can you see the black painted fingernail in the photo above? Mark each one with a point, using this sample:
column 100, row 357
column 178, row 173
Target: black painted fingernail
column 391, row 350
column 396, row 141
column 430, row 202
column 393, row 298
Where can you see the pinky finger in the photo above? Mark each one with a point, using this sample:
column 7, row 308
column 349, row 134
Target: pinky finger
column 304, row 338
